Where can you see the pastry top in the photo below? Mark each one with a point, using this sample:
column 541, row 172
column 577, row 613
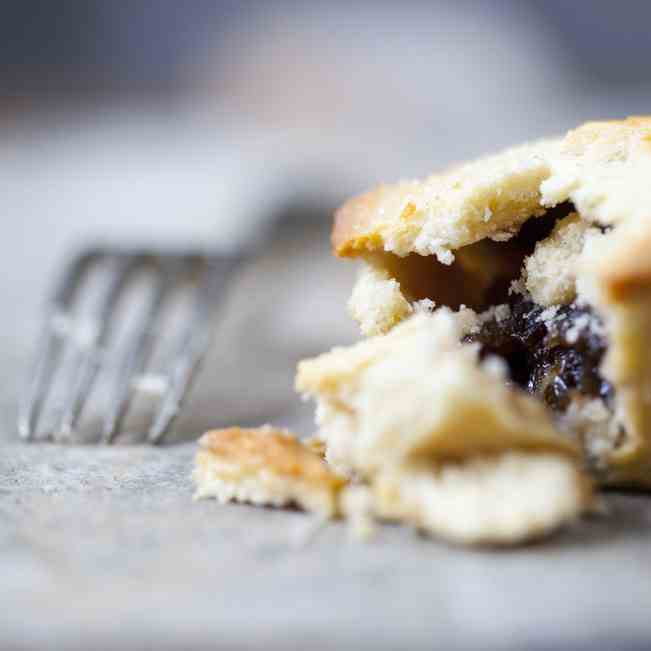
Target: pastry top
column 249, row 451
column 486, row 198
column 602, row 168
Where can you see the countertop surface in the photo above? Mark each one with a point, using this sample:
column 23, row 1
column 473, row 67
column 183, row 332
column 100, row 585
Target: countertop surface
column 105, row 548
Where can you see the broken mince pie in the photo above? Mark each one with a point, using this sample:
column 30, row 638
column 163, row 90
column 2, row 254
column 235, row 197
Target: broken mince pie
column 507, row 365
column 542, row 254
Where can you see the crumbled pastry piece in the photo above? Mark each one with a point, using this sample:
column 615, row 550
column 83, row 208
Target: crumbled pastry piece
column 498, row 499
column 377, row 302
column 264, row 466
column 576, row 214
column 550, row 271
column 418, row 391
column 441, row 443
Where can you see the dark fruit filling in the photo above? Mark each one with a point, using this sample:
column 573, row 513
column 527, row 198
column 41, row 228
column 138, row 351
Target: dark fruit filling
column 549, row 358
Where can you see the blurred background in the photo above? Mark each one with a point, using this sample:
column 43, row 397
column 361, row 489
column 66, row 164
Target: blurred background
column 198, row 122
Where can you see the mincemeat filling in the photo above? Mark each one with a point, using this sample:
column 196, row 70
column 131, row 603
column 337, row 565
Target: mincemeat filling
column 550, row 355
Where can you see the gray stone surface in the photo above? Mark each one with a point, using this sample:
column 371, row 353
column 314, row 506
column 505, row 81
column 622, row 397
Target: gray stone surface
column 104, row 548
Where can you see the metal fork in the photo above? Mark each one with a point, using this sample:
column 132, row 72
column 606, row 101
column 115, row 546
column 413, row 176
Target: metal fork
column 81, row 346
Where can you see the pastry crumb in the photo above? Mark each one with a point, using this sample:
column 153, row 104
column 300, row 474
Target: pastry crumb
column 264, row 466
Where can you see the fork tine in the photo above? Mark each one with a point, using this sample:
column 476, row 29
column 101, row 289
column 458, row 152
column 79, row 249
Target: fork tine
column 137, row 352
column 195, row 340
column 46, row 357
column 50, row 345
column 88, row 354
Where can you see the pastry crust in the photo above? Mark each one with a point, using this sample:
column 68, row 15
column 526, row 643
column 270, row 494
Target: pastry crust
column 598, row 256
column 486, row 198
column 264, row 466
column 418, row 392
column 502, row 499
column 442, row 442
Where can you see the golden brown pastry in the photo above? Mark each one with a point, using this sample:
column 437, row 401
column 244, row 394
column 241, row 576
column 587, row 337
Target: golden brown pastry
column 549, row 246
column 264, row 466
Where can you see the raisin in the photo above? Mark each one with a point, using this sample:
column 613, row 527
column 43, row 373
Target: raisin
column 542, row 357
